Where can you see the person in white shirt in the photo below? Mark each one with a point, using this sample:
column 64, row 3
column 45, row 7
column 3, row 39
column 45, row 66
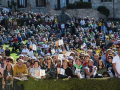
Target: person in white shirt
column 116, row 64
column 46, row 47
column 1, row 49
column 62, row 27
column 93, row 43
column 108, row 25
column 82, row 22
column 25, row 51
column 35, row 71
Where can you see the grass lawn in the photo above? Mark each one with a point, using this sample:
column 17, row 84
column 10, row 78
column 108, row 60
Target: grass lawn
column 13, row 54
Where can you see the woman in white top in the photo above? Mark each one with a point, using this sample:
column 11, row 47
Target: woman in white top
column 93, row 43
column 90, row 70
column 35, row 71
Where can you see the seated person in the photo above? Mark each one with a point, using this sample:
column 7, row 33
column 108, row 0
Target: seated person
column 78, row 69
column 20, row 69
column 25, row 51
column 65, row 71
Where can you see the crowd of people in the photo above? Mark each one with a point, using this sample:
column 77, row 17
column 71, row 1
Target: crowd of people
column 80, row 48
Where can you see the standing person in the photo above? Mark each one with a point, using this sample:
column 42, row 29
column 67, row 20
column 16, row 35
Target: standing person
column 70, row 58
column 78, row 69
column 99, row 26
column 20, row 69
column 82, row 22
column 35, row 71
column 96, row 59
column 42, row 63
column 90, row 70
column 101, row 69
column 62, row 27
column 108, row 25
column 6, row 19
column 8, row 77
column 112, row 27
column 50, row 68
column 116, row 64
column 103, row 28
column 14, row 24
column 65, row 71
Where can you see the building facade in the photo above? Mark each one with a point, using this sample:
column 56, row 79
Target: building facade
column 40, row 5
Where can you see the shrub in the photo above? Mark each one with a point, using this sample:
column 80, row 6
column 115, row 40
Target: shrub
column 103, row 10
column 71, row 6
column 79, row 5
column 72, row 84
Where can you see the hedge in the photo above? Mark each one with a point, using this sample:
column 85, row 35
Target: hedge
column 71, row 84
column 79, row 5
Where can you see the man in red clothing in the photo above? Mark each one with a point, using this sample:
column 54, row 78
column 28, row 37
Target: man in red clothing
column 16, row 44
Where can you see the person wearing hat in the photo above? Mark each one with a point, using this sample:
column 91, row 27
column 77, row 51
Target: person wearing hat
column 86, row 58
column 20, row 69
column 21, row 56
column 104, row 57
column 110, row 65
column 81, row 57
column 58, row 63
column 70, row 58
column 32, row 60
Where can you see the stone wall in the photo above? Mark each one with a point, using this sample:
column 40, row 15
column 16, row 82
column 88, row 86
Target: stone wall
column 92, row 13
column 95, row 5
column 109, row 5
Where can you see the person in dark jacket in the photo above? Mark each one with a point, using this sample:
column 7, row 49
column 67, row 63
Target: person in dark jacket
column 65, row 71
column 8, row 77
column 7, row 51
